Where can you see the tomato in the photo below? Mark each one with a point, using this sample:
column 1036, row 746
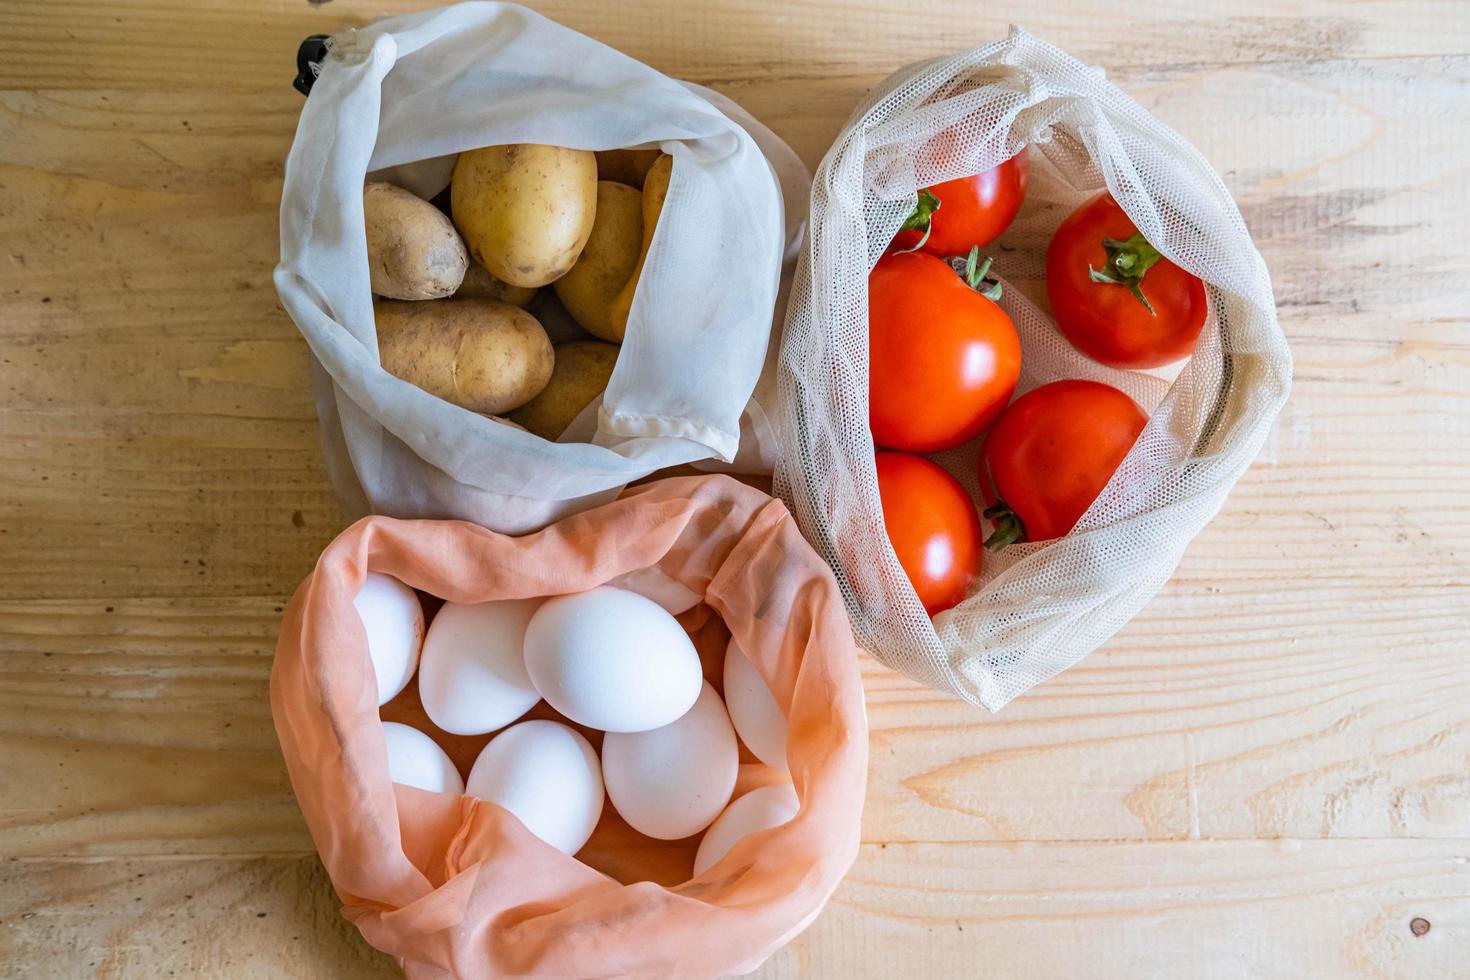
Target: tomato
column 932, row 526
column 942, row 358
column 1114, row 296
column 1048, row 457
column 961, row 214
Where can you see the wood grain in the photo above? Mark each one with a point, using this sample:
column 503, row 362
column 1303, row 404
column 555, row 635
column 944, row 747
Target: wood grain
column 1266, row 774
column 254, row 919
column 1241, row 909
column 135, row 43
column 1249, row 909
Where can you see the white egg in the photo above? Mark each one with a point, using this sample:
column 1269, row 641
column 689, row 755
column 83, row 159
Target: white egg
column 472, row 674
column 753, row 710
column 760, row 809
column 671, row 782
column 415, row 760
column 613, row 660
column 548, row 776
column 394, row 622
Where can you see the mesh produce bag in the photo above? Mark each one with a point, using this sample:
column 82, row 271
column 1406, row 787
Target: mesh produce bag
column 1036, row 608
column 400, row 99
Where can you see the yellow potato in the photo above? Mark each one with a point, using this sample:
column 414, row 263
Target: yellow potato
column 625, row 166
column 525, row 210
column 608, row 260
column 479, row 354
column 413, row 250
column 582, row 370
column 479, row 284
column 655, row 189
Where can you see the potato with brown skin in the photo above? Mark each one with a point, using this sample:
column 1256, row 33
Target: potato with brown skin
column 525, row 210
column 479, row 284
column 479, row 354
column 607, row 261
column 655, row 189
column 583, row 368
column 414, row 253
column 625, row 166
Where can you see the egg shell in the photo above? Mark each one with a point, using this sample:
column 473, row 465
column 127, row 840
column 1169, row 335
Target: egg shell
column 753, row 710
column 760, row 809
column 548, row 776
column 415, row 760
column 394, row 622
column 612, row 660
column 472, row 674
column 673, row 781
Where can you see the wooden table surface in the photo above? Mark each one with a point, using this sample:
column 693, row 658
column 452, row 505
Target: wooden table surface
column 1267, row 774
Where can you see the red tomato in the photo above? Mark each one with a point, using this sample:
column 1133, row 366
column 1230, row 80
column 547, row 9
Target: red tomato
column 1114, row 296
column 932, row 526
column 942, row 359
column 970, row 211
column 1049, row 456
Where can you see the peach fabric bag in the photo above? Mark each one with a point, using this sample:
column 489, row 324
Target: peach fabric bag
column 455, row 886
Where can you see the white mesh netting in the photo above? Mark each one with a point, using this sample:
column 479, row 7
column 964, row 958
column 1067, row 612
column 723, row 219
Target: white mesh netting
column 1036, row 608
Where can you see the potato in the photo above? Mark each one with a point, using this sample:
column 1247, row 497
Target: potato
column 581, row 373
column 413, row 250
column 555, row 319
column 479, row 284
column 525, row 210
column 606, row 263
column 625, row 166
column 479, row 354
column 655, row 189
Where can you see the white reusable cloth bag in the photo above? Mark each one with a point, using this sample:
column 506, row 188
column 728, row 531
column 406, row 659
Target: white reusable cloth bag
column 399, row 99
column 1040, row 607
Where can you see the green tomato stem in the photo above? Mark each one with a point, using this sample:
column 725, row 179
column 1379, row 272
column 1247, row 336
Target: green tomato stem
column 1127, row 263
column 1008, row 527
column 974, row 272
column 924, row 207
